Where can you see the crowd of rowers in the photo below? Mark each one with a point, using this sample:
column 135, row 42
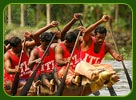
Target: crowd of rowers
column 86, row 59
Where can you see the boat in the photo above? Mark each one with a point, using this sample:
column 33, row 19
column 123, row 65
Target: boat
column 86, row 87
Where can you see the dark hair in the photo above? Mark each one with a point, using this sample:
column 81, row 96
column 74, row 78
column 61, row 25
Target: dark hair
column 15, row 41
column 101, row 30
column 70, row 36
column 76, row 31
column 6, row 42
column 55, row 35
column 46, row 37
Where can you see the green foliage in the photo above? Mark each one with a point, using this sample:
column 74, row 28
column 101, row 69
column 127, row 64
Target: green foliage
column 92, row 12
column 64, row 13
column 15, row 14
column 108, row 57
column 8, row 28
column 125, row 53
column 41, row 24
column 120, row 24
column 30, row 16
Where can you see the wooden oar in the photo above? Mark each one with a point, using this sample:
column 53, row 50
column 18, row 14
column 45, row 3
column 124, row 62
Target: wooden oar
column 125, row 69
column 28, row 84
column 61, row 86
column 16, row 78
column 112, row 91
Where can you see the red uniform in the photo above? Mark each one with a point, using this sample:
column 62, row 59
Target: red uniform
column 90, row 56
column 74, row 61
column 25, row 71
column 75, row 57
column 48, row 62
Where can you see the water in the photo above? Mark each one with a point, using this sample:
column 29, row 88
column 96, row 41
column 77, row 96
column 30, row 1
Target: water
column 121, row 88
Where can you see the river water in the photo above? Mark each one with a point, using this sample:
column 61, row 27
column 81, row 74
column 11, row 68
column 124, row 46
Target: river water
column 121, row 88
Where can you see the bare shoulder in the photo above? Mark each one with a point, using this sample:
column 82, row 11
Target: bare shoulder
column 53, row 45
column 58, row 48
column 108, row 44
column 34, row 51
column 6, row 56
column 108, row 47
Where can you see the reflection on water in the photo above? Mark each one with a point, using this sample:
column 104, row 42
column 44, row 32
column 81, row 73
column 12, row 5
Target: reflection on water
column 121, row 88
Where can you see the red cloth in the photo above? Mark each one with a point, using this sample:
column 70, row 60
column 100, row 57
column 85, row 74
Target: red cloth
column 25, row 71
column 48, row 62
column 75, row 58
column 90, row 56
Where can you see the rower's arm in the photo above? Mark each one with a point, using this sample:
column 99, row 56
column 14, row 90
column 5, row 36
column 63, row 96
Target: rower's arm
column 32, row 58
column 113, row 53
column 87, row 35
column 8, row 64
column 35, row 36
column 69, row 25
column 59, row 56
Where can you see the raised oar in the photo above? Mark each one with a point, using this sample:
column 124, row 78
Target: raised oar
column 61, row 86
column 16, row 78
column 124, row 67
column 28, row 84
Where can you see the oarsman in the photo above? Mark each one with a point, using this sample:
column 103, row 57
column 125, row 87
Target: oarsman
column 12, row 56
column 45, row 71
column 63, row 51
column 93, row 50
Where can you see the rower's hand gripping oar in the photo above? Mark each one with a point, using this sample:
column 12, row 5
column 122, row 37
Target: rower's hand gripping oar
column 28, row 84
column 61, row 86
column 125, row 69
column 16, row 78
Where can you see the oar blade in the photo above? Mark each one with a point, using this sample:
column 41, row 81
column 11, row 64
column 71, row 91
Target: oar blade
column 28, row 84
column 112, row 91
column 15, row 84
